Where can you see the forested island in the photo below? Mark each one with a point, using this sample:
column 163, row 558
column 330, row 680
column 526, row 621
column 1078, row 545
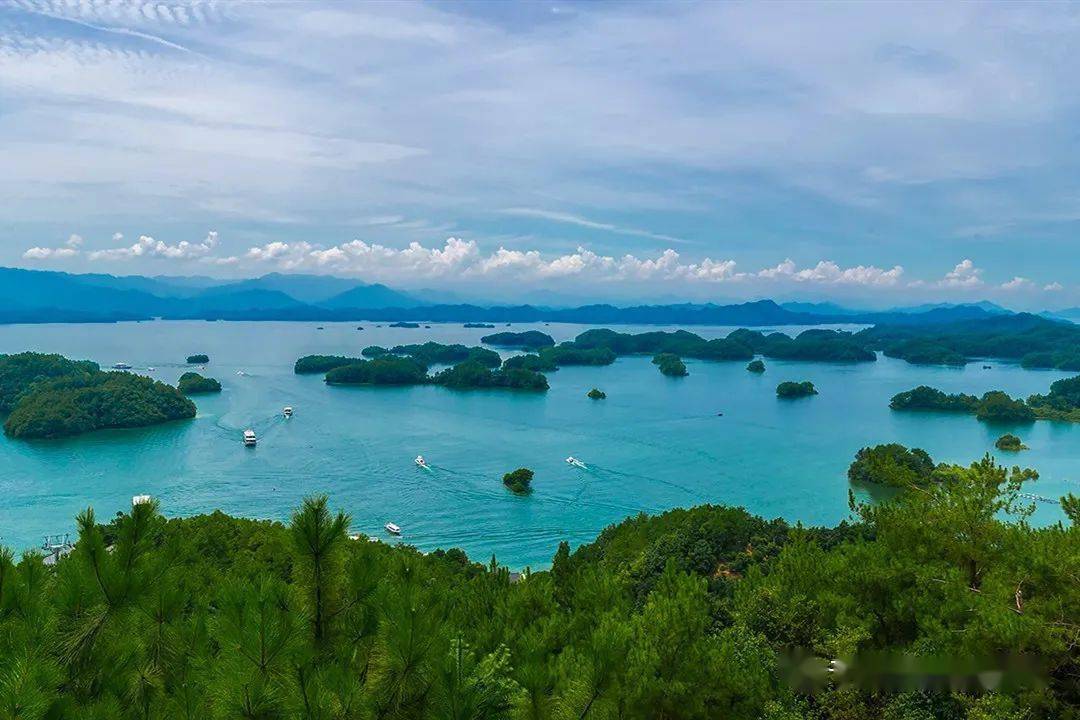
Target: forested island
column 49, row 396
column 1061, row 403
column 1034, row 341
column 1010, row 443
column 670, row 365
column 756, row 366
column 389, row 368
column 688, row 614
column 790, row 389
column 528, row 340
column 192, row 383
column 198, row 359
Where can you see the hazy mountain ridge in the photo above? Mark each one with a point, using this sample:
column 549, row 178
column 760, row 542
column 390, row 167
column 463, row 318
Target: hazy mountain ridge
column 42, row 296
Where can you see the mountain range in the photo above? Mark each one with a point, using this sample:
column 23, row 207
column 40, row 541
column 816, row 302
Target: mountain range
column 36, row 296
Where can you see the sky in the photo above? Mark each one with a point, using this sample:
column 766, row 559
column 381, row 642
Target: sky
column 871, row 153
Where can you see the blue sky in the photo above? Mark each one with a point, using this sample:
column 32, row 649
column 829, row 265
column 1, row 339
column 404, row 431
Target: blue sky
column 871, row 152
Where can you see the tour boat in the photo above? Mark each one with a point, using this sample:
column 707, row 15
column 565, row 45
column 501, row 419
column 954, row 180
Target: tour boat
column 575, row 462
column 421, row 461
column 150, row 369
column 121, row 366
column 249, row 438
column 392, row 529
column 287, row 412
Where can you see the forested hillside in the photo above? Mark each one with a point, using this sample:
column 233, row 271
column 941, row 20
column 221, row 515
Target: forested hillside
column 684, row 615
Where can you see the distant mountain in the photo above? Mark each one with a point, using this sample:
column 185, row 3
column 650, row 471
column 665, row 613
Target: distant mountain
column 985, row 305
column 370, row 296
column 41, row 296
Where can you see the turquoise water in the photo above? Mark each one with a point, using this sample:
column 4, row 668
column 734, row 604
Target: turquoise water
column 655, row 443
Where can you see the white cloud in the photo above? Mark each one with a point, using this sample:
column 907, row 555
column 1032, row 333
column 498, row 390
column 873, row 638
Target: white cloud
column 1053, row 287
column 148, row 247
column 46, row 253
column 1018, row 283
column 964, row 275
column 74, row 241
column 571, row 219
column 828, row 272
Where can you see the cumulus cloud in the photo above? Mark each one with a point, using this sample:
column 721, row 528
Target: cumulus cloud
column 47, row 253
column 147, row 246
column 828, row 272
column 1018, row 283
column 1053, row 287
column 964, row 275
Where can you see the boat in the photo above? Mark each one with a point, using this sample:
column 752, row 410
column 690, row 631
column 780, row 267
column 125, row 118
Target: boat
column 575, row 462
column 249, row 438
column 121, row 366
column 151, row 369
column 241, row 373
column 392, row 529
column 287, row 412
column 421, row 461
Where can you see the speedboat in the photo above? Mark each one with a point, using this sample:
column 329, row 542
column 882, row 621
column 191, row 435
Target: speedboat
column 392, row 529
column 151, row 369
column 241, row 373
column 287, row 412
column 249, row 438
column 421, row 461
column 575, row 462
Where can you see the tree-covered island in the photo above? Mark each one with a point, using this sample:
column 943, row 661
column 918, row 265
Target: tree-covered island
column 790, row 389
column 1010, row 443
column 198, row 359
column 519, row 481
column 756, row 366
column 528, row 340
column 192, row 383
column 670, row 365
column 1061, row 403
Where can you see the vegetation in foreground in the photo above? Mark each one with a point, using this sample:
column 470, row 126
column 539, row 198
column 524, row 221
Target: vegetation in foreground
column 681, row 615
column 519, row 481
column 1061, row 403
column 790, row 389
column 192, row 383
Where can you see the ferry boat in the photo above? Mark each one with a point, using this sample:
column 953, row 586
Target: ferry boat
column 249, row 438
column 421, row 461
column 287, row 412
column 121, row 366
column 392, row 529
column 575, row 462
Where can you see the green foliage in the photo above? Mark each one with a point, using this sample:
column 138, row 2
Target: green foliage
column 519, row 481
column 818, row 345
column 321, row 363
column 928, row 398
column 433, row 353
column 472, row 374
column 893, row 465
column 192, row 383
column 790, row 389
column 670, row 365
column 536, row 363
column 20, row 371
column 404, row 324
column 756, row 366
column 1035, row 341
column 1009, row 442
column 997, row 406
column 528, row 340
column 680, row 342
column 383, row 370
column 596, row 394
column 93, row 401
column 674, row 616
column 1061, row 403
column 198, row 359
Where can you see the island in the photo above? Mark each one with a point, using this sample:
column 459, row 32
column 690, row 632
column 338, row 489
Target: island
column 528, row 340
column 94, row 400
column 670, row 364
column 198, row 359
column 892, row 464
column 192, row 383
column 479, row 325
column 433, row 353
column 1010, row 443
column 310, row 364
column 403, row 324
column 519, row 481
column 19, row 371
column 390, row 369
column 1061, row 403
column 386, row 370
column 756, row 366
column 596, row 394
column 811, row 345
column 791, row 389
column 1034, row 341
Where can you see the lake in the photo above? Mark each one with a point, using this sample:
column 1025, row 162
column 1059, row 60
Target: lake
column 654, row 443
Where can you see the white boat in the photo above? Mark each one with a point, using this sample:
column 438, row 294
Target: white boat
column 392, row 529
column 241, row 373
column 575, row 462
column 150, row 369
column 249, row 438
column 287, row 412
column 121, row 366
column 421, row 461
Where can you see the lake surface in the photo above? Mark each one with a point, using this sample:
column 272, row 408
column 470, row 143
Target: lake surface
column 654, row 443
